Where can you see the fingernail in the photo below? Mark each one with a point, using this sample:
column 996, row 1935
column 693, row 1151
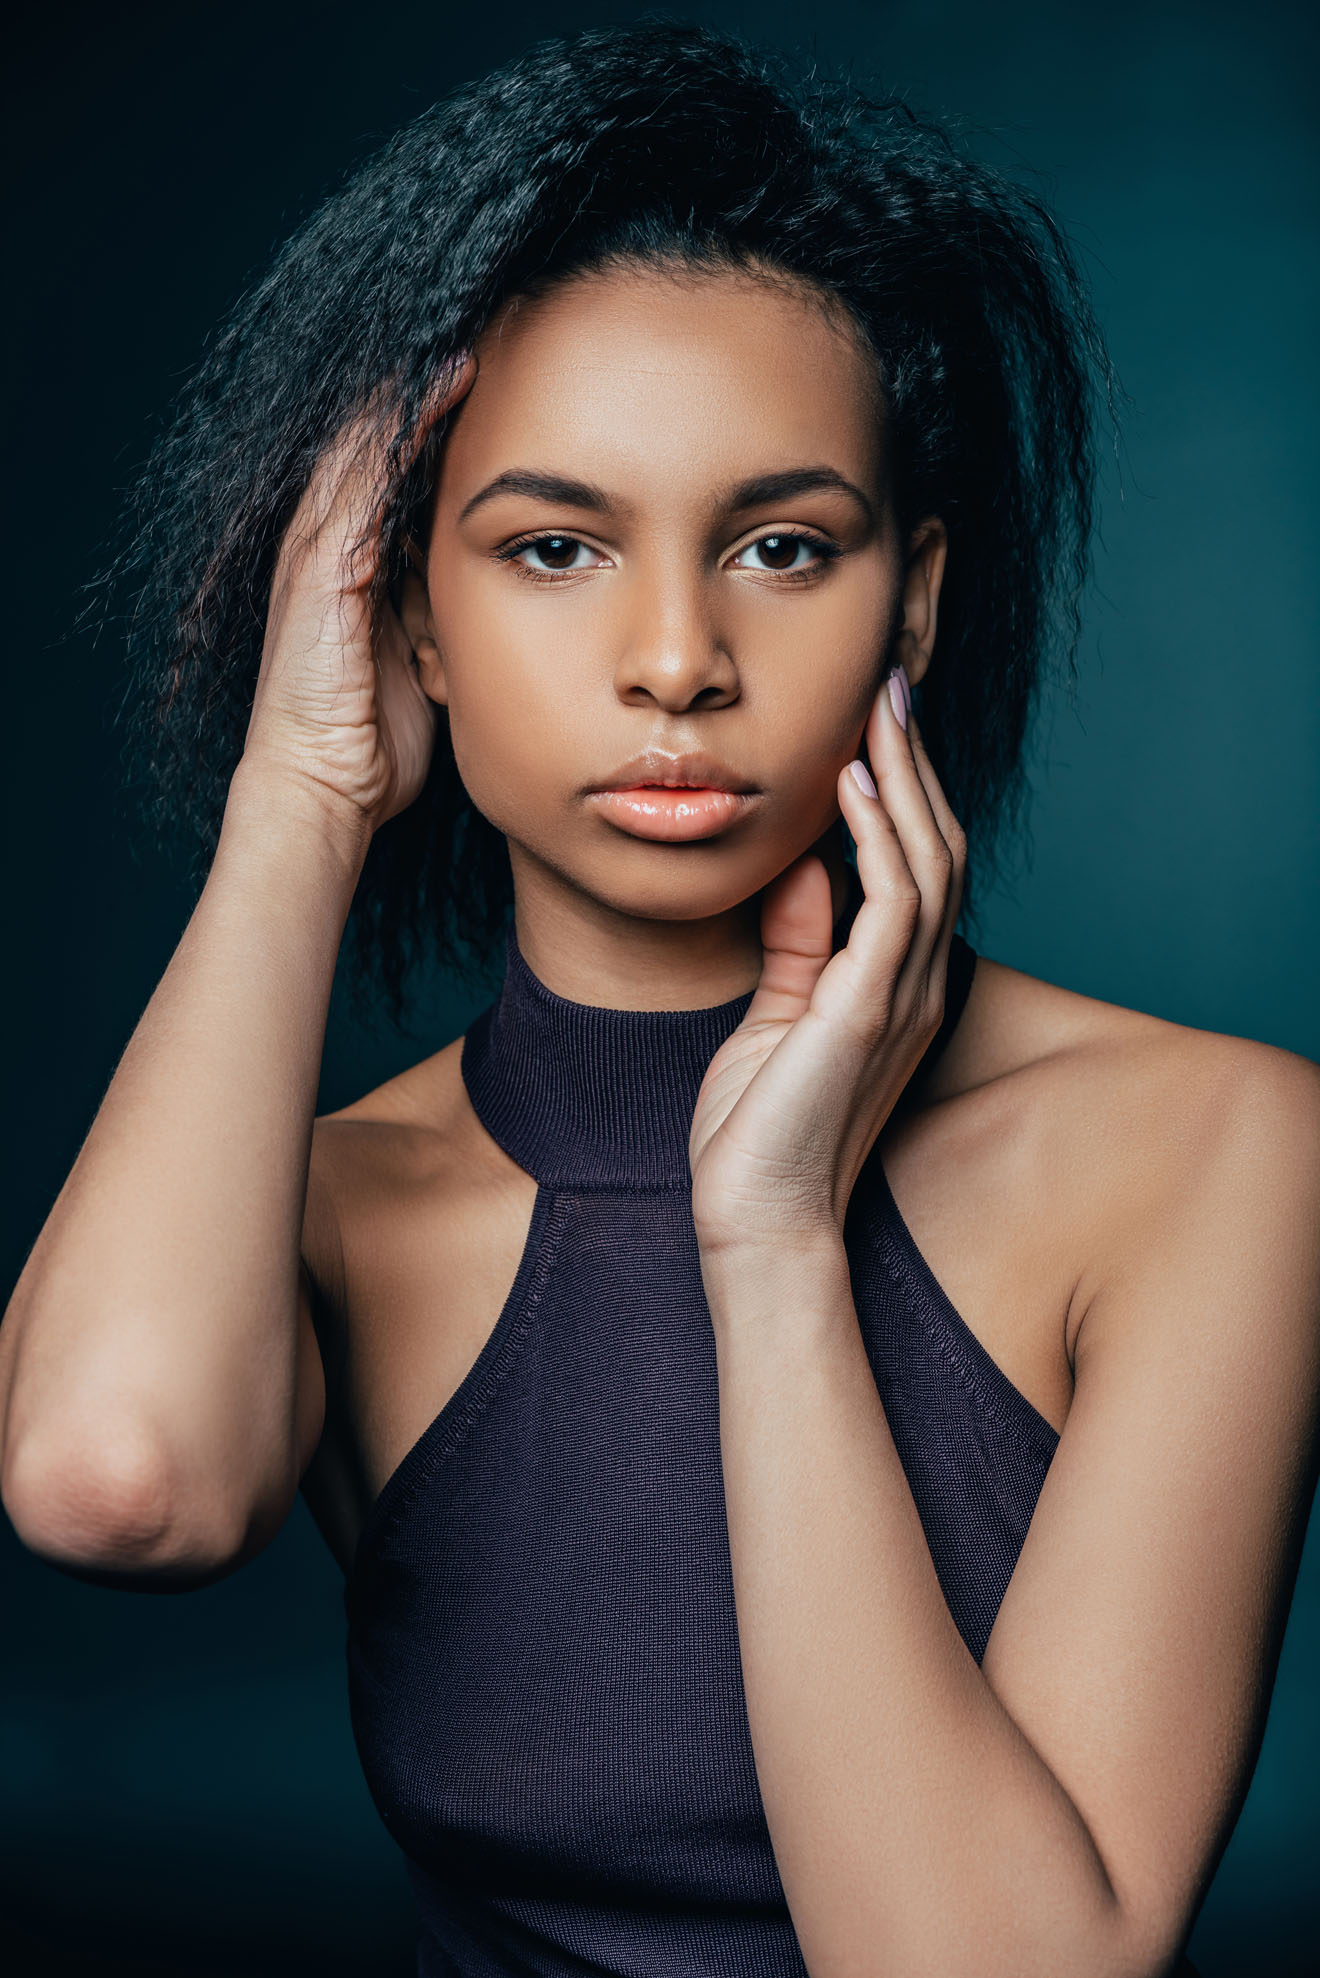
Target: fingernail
column 899, row 697
column 862, row 778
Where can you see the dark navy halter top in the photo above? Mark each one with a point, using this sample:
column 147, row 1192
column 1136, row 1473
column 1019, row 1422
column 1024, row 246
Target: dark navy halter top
column 543, row 1648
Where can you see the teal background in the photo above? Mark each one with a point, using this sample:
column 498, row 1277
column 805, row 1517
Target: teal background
column 178, row 1788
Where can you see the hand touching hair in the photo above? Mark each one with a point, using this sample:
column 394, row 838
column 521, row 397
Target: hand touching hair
column 658, row 143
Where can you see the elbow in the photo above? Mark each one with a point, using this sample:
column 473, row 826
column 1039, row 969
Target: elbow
column 1162, row 1956
column 1150, row 1946
column 116, row 1510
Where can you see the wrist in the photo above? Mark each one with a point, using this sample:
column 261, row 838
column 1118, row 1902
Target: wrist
column 762, row 1274
column 283, row 807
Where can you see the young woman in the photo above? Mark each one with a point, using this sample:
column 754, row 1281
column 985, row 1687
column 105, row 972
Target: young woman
column 818, row 1425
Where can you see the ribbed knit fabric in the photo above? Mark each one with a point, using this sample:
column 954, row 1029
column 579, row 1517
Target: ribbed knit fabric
column 543, row 1647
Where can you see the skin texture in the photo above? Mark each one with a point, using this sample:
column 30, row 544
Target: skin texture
column 669, row 627
column 229, row 1296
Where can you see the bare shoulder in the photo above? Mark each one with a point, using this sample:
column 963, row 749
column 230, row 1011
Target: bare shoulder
column 428, row 1099
column 415, row 1125
column 400, row 1158
column 1143, row 1121
column 1138, row 1637
column 1022, row 1019
column 414, row 1225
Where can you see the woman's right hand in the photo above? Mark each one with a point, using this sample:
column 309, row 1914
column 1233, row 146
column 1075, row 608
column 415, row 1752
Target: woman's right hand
column 339, row 706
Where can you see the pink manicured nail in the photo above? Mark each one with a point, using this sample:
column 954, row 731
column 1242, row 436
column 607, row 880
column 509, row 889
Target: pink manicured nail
column 862, row 778
column 898, row 695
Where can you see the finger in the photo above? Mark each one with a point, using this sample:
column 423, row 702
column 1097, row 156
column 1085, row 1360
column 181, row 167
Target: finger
column 382, row 465
column 797, row 930
column 363, row 442
column 333, row 511
column 939, row 802
column 954, row 837
column 344, row 504
column 883, row 930
column 399, row 689
column 452, row 382
column 904, row 795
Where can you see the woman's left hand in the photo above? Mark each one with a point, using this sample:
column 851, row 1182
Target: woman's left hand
column 794, row 1100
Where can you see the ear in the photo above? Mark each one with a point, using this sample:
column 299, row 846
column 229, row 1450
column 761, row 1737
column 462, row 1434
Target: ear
column 914, row 642
column 419, row 628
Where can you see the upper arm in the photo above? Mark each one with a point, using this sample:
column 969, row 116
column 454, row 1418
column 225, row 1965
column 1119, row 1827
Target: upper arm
column 309, row 1395
column 1137, row 1642
column 320, row 1269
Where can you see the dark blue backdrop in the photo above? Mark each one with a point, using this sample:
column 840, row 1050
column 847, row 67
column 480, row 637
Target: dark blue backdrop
column 178, row 1788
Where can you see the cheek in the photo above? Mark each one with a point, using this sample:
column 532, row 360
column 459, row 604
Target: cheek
column 821, row 683
column 833, row 697
column 529, row 684
column 524, row 675
column 515, row 719
column 502, row 736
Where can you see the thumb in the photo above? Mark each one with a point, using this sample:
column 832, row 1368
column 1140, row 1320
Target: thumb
column 797, row 930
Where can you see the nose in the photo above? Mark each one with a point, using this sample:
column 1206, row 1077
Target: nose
column 672, row 652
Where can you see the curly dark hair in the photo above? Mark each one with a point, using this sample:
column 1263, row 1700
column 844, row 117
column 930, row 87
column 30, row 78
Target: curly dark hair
column 659, row 142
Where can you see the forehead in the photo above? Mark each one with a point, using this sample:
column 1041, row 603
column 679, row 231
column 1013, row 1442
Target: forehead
column 674, row 379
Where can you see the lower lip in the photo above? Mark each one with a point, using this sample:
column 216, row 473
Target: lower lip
column 674, row 816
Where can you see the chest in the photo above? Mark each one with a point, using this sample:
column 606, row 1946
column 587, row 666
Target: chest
column 543, row 1638
column 427, row 1268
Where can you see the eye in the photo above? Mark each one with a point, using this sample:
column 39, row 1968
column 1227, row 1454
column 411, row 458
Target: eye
column 557, row 556
column 782, row 553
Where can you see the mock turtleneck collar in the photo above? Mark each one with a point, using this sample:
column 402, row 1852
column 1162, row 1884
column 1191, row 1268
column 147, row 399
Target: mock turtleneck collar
column 582, row 1096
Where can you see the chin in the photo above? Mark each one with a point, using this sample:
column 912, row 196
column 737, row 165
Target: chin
column 646, row 879
column 699, row 885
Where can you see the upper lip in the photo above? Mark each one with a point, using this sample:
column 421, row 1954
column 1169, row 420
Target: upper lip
column 695, row 771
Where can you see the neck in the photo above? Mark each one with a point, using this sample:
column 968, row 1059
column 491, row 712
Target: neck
column 584, row 1094
column 583, row 949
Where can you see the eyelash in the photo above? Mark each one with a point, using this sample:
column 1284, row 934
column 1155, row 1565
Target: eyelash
column 825, row 550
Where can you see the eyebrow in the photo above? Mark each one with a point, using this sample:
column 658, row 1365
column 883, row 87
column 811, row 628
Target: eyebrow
column 758, row 492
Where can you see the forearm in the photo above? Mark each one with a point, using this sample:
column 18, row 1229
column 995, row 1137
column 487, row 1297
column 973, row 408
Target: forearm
column 154, row 1328
column 915, row 1828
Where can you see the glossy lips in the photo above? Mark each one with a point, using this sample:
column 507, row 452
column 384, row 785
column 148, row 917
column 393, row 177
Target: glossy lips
column 673, row 798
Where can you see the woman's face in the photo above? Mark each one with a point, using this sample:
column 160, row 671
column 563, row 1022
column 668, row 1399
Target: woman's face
column 662, row 528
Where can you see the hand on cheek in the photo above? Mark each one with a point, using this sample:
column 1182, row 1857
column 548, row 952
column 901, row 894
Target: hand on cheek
column 795, row 1099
